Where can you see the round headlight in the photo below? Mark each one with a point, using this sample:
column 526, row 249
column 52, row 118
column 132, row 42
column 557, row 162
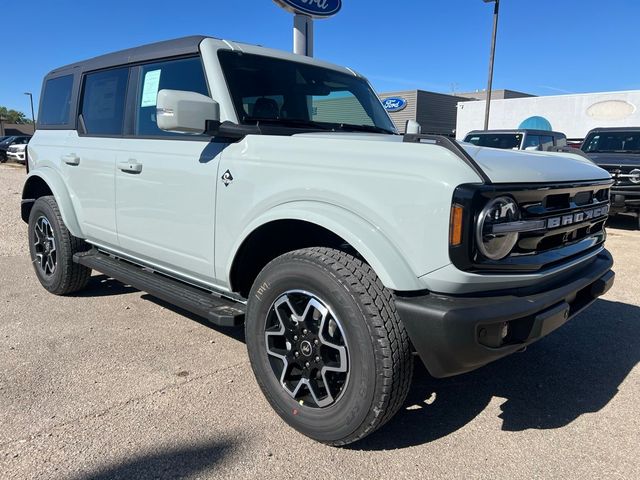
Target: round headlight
column 635, row 175
column 494, row 243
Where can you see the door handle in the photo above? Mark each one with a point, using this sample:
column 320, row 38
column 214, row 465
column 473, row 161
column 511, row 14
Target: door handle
column 131, row 166
column 71, row 159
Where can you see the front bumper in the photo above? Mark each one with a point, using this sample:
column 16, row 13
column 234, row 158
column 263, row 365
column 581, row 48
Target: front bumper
column 452, row 333
column 625, row 198
column 16, row 156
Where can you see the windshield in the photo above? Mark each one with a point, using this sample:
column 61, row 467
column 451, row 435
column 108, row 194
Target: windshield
column 495, row 140
column 612, row 142
column 293, row 94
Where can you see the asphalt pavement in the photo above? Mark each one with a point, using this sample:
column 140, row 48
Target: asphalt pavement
column 114, row 384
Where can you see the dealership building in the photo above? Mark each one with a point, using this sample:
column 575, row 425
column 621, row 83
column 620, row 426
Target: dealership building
column 572, row 114
column 435, row 112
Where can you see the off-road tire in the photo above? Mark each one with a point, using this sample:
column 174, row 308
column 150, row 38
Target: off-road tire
column 68, row 277
column 380, row 356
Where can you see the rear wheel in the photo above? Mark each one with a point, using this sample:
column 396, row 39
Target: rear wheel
column 52, row 248
column 327, row 346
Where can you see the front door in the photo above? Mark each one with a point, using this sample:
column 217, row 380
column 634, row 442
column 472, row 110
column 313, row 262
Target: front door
column 166, row 182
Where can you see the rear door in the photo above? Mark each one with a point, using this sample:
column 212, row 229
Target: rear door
column 166, row 182
column 90, row 153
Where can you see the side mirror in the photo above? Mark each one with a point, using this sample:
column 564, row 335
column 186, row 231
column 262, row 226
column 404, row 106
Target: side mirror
column 533, row 148
column 185, row 112
column 412, row 127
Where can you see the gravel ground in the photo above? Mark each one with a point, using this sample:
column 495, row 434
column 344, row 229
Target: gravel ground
column 112, row 384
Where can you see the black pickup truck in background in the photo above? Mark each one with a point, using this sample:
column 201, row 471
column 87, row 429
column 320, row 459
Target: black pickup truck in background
column 617, row 150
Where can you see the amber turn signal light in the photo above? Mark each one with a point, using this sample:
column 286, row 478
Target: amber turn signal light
column 455, row 226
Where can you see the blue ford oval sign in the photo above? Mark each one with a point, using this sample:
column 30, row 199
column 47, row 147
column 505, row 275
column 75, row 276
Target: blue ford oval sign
column 313, row 8
column 394, row 104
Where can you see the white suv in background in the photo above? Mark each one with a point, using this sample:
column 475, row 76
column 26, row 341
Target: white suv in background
column 17, row 152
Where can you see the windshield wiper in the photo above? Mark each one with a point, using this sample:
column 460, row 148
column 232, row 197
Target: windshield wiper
column 365, row 128
column 291, row 122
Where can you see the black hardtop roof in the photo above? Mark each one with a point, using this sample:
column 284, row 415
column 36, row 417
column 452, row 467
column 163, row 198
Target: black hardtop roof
column 516, row 130
column 168, row 48
column 614, row 129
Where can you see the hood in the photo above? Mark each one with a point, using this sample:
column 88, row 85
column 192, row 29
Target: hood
column 501, row 166
column 508, row 166
column 615, row 159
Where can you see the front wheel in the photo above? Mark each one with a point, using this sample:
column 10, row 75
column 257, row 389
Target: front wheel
column 327, row 346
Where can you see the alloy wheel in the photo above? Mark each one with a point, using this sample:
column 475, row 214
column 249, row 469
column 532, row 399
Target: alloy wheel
column 307, row 349
column 44, row 243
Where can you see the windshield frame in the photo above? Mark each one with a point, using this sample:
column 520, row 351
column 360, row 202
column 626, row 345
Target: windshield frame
column 380, row 120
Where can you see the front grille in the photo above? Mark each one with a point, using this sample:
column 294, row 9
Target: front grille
column 570, row 216
column 569, row 220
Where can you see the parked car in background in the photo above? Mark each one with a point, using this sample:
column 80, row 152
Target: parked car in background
column 12, row 140
column 617, row 150
column 522, row 139
column 17, row 152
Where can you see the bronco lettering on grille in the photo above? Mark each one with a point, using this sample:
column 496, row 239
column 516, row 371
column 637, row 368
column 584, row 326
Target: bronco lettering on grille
column 578, row 217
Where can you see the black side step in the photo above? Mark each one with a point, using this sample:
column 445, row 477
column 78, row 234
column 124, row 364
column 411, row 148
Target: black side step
column 218, row 310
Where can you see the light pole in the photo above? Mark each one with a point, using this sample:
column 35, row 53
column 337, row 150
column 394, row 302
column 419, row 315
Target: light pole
column 496, row 9
column 33, row 116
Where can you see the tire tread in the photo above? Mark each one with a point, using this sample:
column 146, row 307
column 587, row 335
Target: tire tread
column 390, row 339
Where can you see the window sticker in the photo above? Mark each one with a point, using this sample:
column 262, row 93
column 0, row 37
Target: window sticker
column 150, row 88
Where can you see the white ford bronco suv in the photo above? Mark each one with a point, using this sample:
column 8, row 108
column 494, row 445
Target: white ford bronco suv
column 249, row 185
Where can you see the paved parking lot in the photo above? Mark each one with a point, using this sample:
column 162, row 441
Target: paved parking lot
column 112, row 383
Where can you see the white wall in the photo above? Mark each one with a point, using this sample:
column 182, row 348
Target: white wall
column 573, row 115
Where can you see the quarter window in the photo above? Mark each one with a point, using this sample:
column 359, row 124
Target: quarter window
column 184, row 74
column 103, row 101
column 56, row 101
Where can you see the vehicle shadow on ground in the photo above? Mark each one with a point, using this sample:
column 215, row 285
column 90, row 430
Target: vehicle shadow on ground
column 574, row 371
column 175, row 463
column 623, row 222
column 237, row 333
column 103, row 286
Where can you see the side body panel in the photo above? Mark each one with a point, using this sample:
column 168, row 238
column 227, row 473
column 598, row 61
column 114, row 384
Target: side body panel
column 396, row 206
column 46, row 151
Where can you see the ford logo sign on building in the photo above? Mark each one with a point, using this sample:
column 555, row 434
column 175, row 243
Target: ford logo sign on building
column 394, row 104
column 313, row 8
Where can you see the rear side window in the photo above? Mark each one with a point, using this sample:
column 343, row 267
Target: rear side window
column 103, row 101
column 184, row 74
column 56, row 101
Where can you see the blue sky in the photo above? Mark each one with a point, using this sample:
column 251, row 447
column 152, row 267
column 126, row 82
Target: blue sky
column 546, row 47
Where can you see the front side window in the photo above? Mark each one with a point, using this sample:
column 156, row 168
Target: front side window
column 56, row 101
column 185, row 74
column 103, row 101
column 532, row 141
column 546, row 142
column 288, row 93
